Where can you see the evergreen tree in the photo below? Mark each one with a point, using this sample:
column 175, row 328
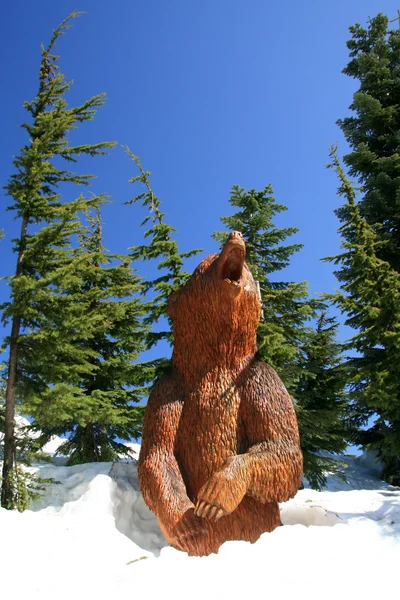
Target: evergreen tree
column 370, row 297
column 286, row 305
column 307, row 360
column 321, row 402
column 2, row 406
column 163, row 248
column 43, row 217
column 91, row 397
column 372, row 131
column 373, row 226
column 2, row 387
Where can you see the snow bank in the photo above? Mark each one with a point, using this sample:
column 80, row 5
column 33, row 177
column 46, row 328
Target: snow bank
column 91, row 536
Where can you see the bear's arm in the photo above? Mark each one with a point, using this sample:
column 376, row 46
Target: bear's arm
column 271, row 468
column 161, row 482
column 274, row 460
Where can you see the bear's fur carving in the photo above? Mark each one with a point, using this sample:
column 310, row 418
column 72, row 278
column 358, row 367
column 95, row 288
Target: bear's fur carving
column 220, row 442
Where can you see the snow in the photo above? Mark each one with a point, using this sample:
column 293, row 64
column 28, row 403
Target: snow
column 92, row 536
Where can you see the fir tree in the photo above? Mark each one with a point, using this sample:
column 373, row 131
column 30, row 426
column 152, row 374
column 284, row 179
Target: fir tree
column 37, row 203
column 285, row 339
column 2, row 386
column 2, row 405
column 321, row 402
column 163, row 248
column 91, row 396
column 372, row 130
column 370, row 297
column 373, row 226
column 286, row 306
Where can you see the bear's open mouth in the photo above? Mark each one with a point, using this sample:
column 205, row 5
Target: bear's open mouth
column 232, row 268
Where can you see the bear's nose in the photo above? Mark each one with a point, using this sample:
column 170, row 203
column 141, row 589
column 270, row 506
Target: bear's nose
column 235, row 234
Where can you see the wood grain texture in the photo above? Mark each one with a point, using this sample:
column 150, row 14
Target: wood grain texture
column 220, row 439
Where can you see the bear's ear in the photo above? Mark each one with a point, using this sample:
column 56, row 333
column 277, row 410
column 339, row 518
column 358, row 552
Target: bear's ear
column 172, row 303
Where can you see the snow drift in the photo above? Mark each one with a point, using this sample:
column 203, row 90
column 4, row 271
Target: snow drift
column 91, row 536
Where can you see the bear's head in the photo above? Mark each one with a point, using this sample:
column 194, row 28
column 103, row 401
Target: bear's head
column 218, row 310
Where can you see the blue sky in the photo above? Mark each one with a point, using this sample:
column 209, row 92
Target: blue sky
column 208, row 94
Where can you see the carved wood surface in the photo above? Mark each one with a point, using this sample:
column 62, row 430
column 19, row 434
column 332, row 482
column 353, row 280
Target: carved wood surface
column 220, row 442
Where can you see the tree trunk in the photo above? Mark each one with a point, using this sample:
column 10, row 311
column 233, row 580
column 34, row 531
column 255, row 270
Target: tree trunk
column 92, row 444
column 9, row 426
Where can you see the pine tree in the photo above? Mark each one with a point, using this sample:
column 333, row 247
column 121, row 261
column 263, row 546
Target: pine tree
column 37, row 203
column 163, row 248
column 373, row 225
column 2, row 387
column 372, row 131
column 286, row 305
column 321, row 402
column 285, row 339
column 370, row 297
column 2, row 405
column 91, row 397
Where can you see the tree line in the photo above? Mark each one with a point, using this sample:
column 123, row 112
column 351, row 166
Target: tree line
column 81, row 317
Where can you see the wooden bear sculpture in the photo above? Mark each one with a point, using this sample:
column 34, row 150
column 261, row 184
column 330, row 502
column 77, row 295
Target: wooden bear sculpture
column 220, row 439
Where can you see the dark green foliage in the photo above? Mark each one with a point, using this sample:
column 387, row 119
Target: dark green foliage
column 370, row 298
column 2, row 398
column 372, row 130
column 285, row 339
column 370, row 265
column 84, row 378
column 286, row 306
column 26, row 486
column 34, row 185
column 161, row 248
column 321, row 402
column 47, row 224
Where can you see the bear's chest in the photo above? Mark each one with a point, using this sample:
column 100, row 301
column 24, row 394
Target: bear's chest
column 210, row 428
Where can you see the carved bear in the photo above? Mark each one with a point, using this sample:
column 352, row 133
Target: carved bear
column 220, row 439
